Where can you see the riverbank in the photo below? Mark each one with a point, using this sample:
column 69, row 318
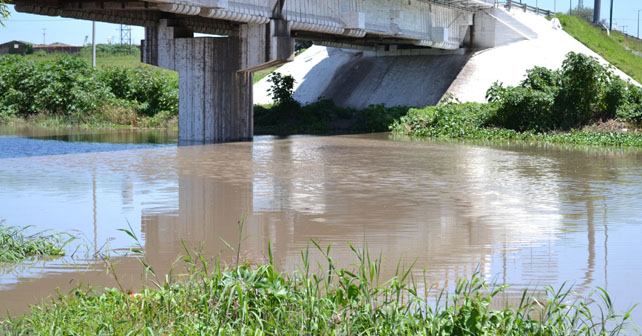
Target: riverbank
column 581, row 103
column 260, row 300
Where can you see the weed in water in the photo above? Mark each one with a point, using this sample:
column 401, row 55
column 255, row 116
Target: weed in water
column 16, row 245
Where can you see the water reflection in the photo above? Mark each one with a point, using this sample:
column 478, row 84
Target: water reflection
column 523, row 215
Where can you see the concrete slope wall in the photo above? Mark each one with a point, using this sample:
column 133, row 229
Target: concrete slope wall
column 399, row 80
column 358, row 79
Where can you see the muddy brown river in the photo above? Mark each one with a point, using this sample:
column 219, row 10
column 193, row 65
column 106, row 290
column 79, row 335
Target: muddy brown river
column 525, row 215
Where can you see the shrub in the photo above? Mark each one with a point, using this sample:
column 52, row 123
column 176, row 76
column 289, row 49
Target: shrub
column 153, row 90
column 583, row 80
column 631, row 110
column 61, row 87
column 282, row 88
column 542, row 79
column 522, row 109
column 378, row 118
column 581, row 91
column 67, row 87
column 615, row 96
column 282, row 91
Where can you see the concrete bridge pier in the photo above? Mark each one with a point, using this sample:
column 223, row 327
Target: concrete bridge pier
column 216, row 75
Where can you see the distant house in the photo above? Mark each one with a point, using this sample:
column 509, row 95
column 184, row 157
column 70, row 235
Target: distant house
column 16, row 48
column 57, row 47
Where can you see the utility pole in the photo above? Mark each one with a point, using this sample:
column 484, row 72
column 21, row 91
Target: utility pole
column 639, row 10
column 93, row 44
column 596, row 12
column 44, row 36
column 611, row 17
column 570, row 7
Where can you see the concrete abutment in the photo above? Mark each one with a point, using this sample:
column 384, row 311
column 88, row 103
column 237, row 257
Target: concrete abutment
column 216, row 75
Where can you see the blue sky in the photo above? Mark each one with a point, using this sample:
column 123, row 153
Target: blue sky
column 29, row 27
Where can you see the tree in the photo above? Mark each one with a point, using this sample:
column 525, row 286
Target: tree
column 4, row 11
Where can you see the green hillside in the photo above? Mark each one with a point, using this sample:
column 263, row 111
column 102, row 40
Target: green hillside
column 617, row 48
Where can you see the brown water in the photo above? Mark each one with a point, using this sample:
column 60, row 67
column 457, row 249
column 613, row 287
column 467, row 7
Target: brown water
column 522, row 215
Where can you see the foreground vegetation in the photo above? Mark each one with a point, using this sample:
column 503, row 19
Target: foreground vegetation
column 561, row 106
column 616, row 48
column 16, row 246
column 213, row 299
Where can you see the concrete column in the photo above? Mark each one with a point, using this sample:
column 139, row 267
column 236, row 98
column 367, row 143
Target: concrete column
column 215, row 99
column 215, row 77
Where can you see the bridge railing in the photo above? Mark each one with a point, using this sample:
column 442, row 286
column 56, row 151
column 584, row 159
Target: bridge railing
column 527, row 8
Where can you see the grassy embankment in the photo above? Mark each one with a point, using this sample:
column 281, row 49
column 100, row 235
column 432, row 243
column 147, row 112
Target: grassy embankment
column 616, row 49
column 123, row 61
column 212, row 299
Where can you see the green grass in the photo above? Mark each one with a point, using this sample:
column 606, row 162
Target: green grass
column 263, row 73
column 123, row 61
column 15, row 246
column 260, row 300
column 627, row 41
column 612, row 48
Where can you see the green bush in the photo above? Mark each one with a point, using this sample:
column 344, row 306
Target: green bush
column 69, row 88
column 583, row 83
column 155, row 91
column 377, row 118
column 631, row 110
column 282, row 88
column 522, row 109
column 582, row 91
column 542, row 79
column 62, row 87
column 616, row 96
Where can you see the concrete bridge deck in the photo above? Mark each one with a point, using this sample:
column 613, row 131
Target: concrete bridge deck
column 216, row 72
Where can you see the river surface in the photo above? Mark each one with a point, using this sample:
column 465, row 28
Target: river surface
column 520, row 214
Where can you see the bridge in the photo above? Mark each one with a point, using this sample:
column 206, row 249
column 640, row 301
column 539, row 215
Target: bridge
column 216, row 72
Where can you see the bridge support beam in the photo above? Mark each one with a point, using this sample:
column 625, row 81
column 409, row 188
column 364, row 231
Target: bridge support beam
column 215, row 77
